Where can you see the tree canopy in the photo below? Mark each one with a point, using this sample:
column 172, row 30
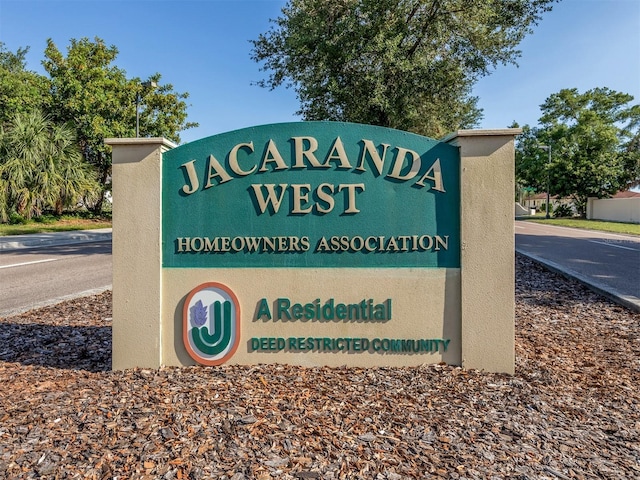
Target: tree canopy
column 87, row 97
column 405, row 64
column 21, row 91
column 594, row 145
column 96, row 97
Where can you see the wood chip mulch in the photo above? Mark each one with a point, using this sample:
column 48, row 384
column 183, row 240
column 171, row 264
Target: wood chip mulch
column 572, row 410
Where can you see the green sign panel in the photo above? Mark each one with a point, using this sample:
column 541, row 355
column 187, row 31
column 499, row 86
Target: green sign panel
column 312, row 194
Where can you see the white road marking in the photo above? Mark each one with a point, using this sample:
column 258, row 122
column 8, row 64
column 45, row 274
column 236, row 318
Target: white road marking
column 612, row 245
column 29, row 263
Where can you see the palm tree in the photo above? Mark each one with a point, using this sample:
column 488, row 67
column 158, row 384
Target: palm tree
column 23, row 142
column 74, row 177
column 41, row 167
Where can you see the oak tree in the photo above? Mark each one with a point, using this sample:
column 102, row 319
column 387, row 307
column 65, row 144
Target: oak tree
column 94, row 95
column 20, row 89
column 594, row 145
column 405, row 64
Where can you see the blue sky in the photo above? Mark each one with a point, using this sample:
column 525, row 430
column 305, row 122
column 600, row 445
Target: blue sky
column 202, row 47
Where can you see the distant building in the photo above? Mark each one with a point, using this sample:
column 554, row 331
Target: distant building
column 538, row 200
column 627, row 194
column 622, row 207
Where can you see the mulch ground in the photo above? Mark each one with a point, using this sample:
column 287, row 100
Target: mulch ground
column 572, row 409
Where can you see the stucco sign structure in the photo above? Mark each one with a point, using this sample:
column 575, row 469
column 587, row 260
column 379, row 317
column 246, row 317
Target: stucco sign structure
column 314, row 243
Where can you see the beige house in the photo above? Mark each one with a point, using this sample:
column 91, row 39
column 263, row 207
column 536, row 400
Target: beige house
column 538, row 200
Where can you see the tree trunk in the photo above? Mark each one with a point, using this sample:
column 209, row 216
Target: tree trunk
column 97, row 207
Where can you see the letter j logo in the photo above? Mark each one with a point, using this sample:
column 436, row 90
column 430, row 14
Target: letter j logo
column 211, row 323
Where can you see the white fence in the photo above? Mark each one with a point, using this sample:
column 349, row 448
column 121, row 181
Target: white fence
column 614, row 209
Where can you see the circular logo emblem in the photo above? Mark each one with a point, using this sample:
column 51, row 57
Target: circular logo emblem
column 211, row 323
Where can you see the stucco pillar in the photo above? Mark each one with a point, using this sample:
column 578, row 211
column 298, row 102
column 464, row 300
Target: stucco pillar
column 488, row 245
column 137, row 265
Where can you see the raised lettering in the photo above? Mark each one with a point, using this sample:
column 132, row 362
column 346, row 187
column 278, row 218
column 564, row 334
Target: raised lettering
column 351, row 195
column 263, row 310
column 233, row 159
column 325, row 194
column 308, row 153
column 398, row 164
column 374, row 155
column 337, row 152
column 193, row 184
column 435, row 175
column 272, row 197
column 299, row 197
column 272, row 155
column 216, row 170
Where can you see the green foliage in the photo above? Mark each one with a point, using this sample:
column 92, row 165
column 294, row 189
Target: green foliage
column 50, row 162
column 543, row 208
column 20, row 90
column 594, row 145
column 46, row 219
column 52, row 223
column 408, row 65
column 41, row 167
column 17, row 219
column 95, row 96
column 563, row 211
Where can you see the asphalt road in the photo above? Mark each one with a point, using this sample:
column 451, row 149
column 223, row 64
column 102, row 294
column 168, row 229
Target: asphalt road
column 34, row 277
column 609, row 262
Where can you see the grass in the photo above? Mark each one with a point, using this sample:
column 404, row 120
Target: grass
column 600, row 225
column 52, row 223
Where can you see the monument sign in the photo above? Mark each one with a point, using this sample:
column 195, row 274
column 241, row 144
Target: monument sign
column 314, row 243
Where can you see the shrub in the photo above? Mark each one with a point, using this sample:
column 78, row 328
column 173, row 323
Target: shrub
column 563, row 211
column 17, row 219
column 543, row 208
column 45, row 218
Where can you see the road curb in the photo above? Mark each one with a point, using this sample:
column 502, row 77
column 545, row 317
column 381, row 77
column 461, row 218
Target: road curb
column 631, row 303
column 18, row 242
